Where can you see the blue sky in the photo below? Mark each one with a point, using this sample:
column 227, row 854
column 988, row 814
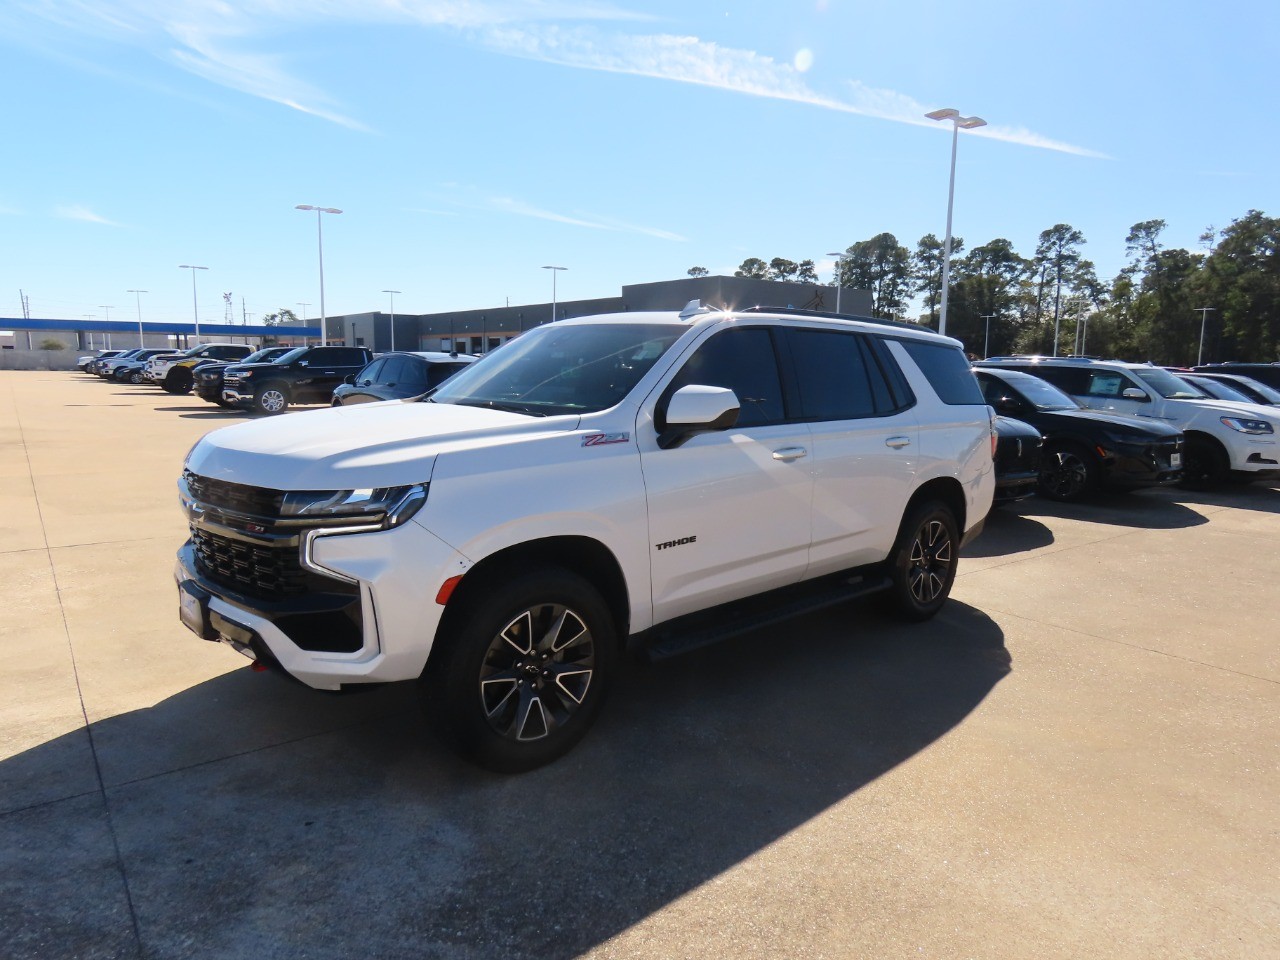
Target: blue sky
column 470, row 143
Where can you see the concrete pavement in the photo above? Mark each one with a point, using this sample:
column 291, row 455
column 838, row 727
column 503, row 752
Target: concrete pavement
column 1077, row 758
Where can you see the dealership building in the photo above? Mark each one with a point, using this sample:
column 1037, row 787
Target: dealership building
column 479, row 331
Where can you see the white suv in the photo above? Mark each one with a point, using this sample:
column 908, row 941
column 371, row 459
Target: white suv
column 633, row 477
column 1224, row 437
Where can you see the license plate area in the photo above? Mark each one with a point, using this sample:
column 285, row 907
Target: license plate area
column 1175, row 461
column 193, row 610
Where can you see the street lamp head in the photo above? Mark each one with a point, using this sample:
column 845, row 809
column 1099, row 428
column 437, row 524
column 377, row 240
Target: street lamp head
column 391, row 291
column 189, row 266
column 308, row 206
column 137, row 291
column 555, row 268
column 950, row 113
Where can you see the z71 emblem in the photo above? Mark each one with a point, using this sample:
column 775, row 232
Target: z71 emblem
column 600, row 439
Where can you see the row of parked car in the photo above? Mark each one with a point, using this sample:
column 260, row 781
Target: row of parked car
column 272, row 379
column 1070, row 427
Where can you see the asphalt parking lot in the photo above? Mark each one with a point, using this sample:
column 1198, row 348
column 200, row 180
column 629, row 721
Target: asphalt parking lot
column 1078, row 758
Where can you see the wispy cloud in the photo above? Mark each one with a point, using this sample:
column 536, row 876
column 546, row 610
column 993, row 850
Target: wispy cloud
column 81, row 213
column 577, row 219
column 686, row 59
column 222, row 40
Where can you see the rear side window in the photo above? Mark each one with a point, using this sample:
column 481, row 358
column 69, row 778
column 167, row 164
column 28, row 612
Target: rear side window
column 394, row 372
column 947, row 371
column 832, row 375
column 438, row 373
column 744, row 361
column 337, row 356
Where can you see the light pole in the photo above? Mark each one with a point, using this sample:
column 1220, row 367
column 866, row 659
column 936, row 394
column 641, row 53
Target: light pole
column 969, row 123
column 839, row 261
column 986, row 344
column 554, row 271
column 393, row 317
column 1204, row 315
column 324, row 333
column 107, row 308
column 138, row 295
column 195, row 310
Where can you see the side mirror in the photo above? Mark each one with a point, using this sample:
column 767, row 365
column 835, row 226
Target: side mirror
column 1133, row 393
column 303, row 363
column 349, row 378
column 698, row 409
column 1009, row 404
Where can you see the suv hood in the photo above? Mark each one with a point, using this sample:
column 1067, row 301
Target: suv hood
column 368, row 445
column 1233, row 408
column 1155, row 428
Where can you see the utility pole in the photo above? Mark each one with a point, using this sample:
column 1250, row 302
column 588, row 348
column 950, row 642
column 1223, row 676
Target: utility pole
column 1204, row 315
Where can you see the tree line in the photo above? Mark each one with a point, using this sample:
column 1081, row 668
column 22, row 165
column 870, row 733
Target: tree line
column 1001, row 302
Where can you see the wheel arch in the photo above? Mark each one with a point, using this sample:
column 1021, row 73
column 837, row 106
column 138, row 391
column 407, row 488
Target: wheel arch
column 948, row 491
column 584, row 556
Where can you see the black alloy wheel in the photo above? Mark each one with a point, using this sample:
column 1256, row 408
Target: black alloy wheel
column 1205, row 465
column 1067, row 473
column 922, row 565
column 521, row 671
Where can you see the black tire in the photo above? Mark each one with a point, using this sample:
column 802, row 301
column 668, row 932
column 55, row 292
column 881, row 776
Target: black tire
column 505, row 687
column 1206, row 464
column 1068, row 472
column 178, row 380
column 224, row 404
column 271, row 398
column 922, row 565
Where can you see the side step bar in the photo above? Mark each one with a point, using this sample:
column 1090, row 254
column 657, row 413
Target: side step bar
column 732, row 619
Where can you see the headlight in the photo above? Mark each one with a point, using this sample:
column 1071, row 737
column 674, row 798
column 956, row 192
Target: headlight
column 385, row 506
column 1245, row 425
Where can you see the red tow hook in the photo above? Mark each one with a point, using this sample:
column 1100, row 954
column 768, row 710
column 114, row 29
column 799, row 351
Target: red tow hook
column 258, row 667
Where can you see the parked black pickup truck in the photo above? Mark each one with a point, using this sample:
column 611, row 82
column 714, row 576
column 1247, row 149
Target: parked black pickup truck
column 208, row 385
column 303, row 375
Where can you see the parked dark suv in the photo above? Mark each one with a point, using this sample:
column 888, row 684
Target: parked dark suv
column 1084, row 450
column 303, row 375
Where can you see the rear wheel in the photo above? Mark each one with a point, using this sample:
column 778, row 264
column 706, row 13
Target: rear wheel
column 1206, row 464
column 135, row 376
column 922, row 565
column 271, row 398
column 521, row 675
column 1067, row 473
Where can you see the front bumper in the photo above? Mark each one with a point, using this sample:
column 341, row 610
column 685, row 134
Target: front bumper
column 1132, row 465
column 372, row 621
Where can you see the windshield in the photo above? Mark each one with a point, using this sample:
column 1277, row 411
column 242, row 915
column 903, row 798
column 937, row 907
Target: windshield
column 1268, row 394
column 260, row 356
column 1217, row 389
column 291, row 356
column 1043, row 395
column 561, row 369
column 1167, row 385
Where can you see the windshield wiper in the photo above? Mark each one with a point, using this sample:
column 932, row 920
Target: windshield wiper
column 502, row 405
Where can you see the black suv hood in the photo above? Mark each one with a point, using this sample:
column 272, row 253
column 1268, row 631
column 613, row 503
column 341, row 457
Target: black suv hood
column 1137, row 427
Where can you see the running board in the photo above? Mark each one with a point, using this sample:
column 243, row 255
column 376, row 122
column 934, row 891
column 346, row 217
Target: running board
column 706, row 627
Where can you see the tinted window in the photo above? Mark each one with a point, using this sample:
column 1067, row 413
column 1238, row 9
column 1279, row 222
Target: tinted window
column 337, row 356
column 413, row 374
column 371, row 372
column 393, row 371
column 1167, row 385
column 742, row 360
column 438, row 373
column 1073, row 380
column 832, row 375
column 947, row 371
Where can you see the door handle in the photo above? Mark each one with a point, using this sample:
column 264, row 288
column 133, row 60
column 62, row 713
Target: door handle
column 787, row 454
column 897, row 442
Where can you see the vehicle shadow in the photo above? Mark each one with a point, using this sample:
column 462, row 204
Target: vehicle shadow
column 1008, row 532
column 252, row 813
column 212, row 413
column 1263, row 497
column 1147, row 509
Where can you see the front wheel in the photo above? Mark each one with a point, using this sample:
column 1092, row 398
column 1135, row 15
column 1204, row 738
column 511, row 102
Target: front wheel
column 922, row 566
column 519, row 678
column 1067, row 474
column 1206, row 465
column 271, row 398
column 178, row 381
column 136, row 377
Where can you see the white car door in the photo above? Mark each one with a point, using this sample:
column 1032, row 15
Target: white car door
column 865, row 446
column 729, row 510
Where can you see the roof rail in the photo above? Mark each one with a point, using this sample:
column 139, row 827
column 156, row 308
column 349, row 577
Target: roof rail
column 1038, row 357
column 830, row 315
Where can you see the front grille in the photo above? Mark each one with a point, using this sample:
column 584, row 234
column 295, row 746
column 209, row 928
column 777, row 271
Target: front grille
column 254, row 569
column 240, row 497
column 231, row 378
